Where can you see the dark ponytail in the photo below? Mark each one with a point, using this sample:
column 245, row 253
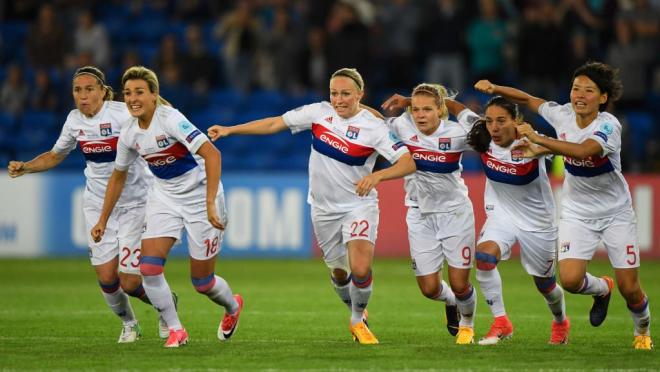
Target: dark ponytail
column 479, row 137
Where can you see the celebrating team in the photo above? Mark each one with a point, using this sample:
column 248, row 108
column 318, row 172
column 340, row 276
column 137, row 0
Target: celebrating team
column 425, row 149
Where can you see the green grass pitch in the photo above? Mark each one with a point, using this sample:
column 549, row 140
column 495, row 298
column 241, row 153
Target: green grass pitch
column 53, row 317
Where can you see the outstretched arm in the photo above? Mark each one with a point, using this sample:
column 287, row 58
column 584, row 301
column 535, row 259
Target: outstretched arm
column 403, row 167
column 41, row 163
column 112, row 194
column 261, row 126
column 512, row 94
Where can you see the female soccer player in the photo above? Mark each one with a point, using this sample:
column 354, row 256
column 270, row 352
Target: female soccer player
column 95, row 125
column 440, row 218
column 596, row 205
column 519, row 207
column 346, row 141
column 186, row 194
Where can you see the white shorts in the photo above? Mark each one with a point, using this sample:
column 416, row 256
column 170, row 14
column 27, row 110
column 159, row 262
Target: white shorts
column 122, row 235
column 538, row 249
column 579, row 239
column 166, row 218
column 435, row 237
column 334, row 230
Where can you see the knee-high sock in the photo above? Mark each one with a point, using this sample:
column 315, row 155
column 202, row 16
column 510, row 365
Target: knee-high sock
column 641, row 316
column 118, row 302
column 445, row 294
column 467, row 306
column 594, row 286
column 490, row 283
column 554, row 296
column 218, row 290
column 343, row 290
column 360, row 291
column 158, row 290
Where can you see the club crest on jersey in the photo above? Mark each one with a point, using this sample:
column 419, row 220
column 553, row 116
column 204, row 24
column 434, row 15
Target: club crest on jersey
column 562, row 136
column 516, row 155
column 106, row 129
column 444, row 143
column 414, row 138
column 162, row 141
column 329, row 119
column 352, row 132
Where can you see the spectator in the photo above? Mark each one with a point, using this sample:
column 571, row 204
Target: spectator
column 47, row 43
column 92, row 37
column 14, row 92
column 43, row 96
column 486, row 37
column 200, row 68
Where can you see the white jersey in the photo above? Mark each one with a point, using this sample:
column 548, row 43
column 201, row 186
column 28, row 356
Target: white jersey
column 168, row 146
column 437, row 185
column 516, row 186
column 343, row 152
column 593, row 187
column 97, row 138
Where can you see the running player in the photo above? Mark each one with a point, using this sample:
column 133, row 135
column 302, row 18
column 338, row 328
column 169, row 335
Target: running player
column 187, row 193
column 95, row 125
column 519, row 207
column 346, row 140
column 596, row 205
column 440, row 218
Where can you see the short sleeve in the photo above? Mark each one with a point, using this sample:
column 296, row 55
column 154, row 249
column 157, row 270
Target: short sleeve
column 126, row 154
column 608, row 134
column 467, row 118
column 301, row 118
column 179, row 127
column 390, row 146
column 66, row 142
column 553, row 113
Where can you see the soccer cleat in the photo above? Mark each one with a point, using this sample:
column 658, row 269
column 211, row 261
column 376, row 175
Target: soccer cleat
column 177, row 338
column 130, row 333
column 501, row 329
column 643, row 342
column 465, row 336
column 560, row 332
column 163, row 329
column 230, row 321
column 451, row 312
column 362, row 334
column 598, row 311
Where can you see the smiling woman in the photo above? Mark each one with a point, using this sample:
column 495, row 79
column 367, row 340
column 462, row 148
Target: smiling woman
column 184, row 196
column 346, row 139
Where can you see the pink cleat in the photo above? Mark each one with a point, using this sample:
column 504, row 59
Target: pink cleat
column 230, row 321
column 177, row 338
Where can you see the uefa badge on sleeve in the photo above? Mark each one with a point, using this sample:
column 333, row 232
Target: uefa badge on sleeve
column 352, row 132
column 444, row 143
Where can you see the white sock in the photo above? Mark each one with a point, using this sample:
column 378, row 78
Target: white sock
column 641, row 316
column 119, row 304
column 360, row 290
column 446, row 294
column 221, row 294
column 343, row 291
column 160, row 295
column 556, row 303
column 467, row 306
column 491, row 287
column 594, row 286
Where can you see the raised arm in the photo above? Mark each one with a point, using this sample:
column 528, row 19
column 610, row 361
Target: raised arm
column 373, row 111
column 512, row 94
column 454, row 107
column 261, row 127
column 212, row 165
column 112, row 194
column 43, row 162
column 402, row 167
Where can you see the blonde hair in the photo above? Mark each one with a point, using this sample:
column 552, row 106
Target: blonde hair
column 100, row 78
column 143, row 73
column 352, row 74
column 437, row 92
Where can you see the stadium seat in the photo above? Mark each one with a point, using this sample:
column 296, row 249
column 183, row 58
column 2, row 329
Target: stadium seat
column 226, row 98
column 641, row 128
column 41, row 119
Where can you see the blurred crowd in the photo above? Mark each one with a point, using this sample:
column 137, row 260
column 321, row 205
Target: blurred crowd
column 230, row 61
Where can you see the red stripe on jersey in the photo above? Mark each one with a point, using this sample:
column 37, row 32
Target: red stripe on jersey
column 340, row 144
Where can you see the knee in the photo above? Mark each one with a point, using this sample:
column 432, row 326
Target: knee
column 151, row 266
column 132, row 286
column 461, row 289
column 203, row 285
column 361, row 271
column 571, row 283
column 431, row 291
column 630, row 290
